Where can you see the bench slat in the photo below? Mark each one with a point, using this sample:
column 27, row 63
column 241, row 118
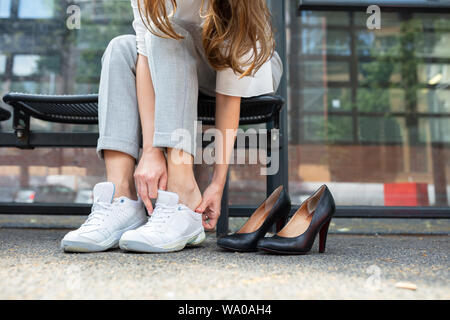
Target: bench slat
column 83, row 109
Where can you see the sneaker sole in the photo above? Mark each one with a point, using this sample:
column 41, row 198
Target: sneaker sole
column 87, row 247
column 83, row 247
column 138, row 246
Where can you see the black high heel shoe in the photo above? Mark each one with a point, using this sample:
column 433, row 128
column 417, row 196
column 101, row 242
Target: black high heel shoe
column 275, row 209
column 297, row 237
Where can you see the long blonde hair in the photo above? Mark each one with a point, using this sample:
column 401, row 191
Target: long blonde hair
column 232, row 29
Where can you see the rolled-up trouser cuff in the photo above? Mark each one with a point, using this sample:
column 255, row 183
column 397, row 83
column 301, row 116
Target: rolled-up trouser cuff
column 116, row 144
column 179, row 140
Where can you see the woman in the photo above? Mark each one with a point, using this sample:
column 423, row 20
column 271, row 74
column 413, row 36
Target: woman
column 149, row 87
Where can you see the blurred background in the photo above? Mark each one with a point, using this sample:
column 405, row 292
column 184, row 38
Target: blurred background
column 368, row 110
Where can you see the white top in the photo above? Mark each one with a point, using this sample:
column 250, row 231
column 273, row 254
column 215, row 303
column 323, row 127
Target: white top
column 227, row 82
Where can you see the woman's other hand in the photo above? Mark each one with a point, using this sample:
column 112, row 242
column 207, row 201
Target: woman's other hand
column 210, row 206
column 151, row 175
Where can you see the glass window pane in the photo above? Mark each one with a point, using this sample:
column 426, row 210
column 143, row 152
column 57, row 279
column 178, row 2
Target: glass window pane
column 316, row 41
column 96, row 11
column 25, row 65
column 318, row 71
column 330, row 128
column 2, row 63
column 36, row 9
column 434, row 74
column 377, row 43
column 377, row 129
column 29, row 86
column 337, row 99
column 437, row 21
column 339, row 128
column 379, row 72
column 433, row 44
column 331, row 18
column 433, row 101
column 313, row 128
column 380, row 100
column 5, row 8
column 70, row 171
column 434, row 130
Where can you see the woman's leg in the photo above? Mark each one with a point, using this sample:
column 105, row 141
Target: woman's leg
column 119, row 170
column 119, row 145
column 119, row 125
column 181, row 179
column 173, row 67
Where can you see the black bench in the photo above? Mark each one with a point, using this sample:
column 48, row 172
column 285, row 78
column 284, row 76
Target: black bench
column 83, row 109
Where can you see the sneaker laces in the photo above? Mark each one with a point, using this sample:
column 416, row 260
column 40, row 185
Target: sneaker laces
column 160, row 216
column 100, row 211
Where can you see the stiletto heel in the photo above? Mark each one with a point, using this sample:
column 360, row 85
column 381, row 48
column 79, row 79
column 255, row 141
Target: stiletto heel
column 323, row 236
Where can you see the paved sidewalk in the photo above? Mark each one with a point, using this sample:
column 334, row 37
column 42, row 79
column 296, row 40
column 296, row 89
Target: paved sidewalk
column 33, row 267
column 340, row 226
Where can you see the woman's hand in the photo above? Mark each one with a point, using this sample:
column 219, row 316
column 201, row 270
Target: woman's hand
column 151, row 175
column 227, row 118
column 210, row 206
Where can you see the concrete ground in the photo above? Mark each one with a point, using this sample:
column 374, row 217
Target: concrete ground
column 340, row 226
column 354, row 267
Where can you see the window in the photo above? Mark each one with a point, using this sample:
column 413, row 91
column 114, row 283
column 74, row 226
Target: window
column 368, row 109
column 5, row 8
column 36, row 9
column 48, row 58
column 2, row 63
column 25, row 65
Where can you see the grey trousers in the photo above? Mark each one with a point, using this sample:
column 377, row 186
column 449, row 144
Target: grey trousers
column 179, row 70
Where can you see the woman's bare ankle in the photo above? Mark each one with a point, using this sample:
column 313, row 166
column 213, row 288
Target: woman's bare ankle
column 181, row 178
column 119, row 170
column 189, row 193
column 125, row 190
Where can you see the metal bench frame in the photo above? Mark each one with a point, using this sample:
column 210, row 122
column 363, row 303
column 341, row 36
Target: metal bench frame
column 24, row 138
column 26, row 106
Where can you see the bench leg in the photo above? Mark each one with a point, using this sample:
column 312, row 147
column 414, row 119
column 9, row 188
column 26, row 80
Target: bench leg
column 222, row 224
column 273, row 181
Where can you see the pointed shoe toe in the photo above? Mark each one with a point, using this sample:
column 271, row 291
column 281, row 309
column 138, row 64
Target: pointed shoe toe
column 236, row 242
column 265, row 244
column 272, row 245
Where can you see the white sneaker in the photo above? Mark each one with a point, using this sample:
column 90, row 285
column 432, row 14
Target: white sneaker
column 109, row 219
column 170, row 228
